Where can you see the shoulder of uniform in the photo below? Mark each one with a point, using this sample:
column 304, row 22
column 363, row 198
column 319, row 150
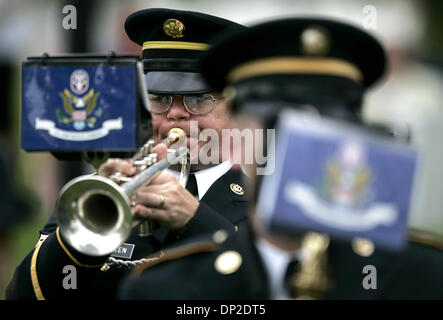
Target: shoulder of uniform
column 426, row 238
column 207, row 244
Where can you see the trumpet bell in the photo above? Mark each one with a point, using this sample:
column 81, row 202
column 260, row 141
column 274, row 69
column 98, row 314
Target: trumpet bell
column 94, row 215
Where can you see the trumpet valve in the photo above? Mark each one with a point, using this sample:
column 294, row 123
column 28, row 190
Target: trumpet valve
column 119, row 179
column 140, row 165
column 153, row 157
column 116, row 177
column 146, row 149
column 149, row 146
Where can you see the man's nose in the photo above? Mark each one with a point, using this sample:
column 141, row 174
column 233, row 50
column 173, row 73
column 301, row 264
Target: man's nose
column 178, row 110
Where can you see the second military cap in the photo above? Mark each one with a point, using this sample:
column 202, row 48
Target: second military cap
column 173, row 42
column 296, row 46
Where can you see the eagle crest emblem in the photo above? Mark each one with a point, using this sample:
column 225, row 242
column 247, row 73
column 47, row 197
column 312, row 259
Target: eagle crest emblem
column 348, row 177
column 80, row 111
column 174, row 28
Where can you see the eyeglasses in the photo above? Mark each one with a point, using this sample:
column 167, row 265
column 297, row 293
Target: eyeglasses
column 194, row 104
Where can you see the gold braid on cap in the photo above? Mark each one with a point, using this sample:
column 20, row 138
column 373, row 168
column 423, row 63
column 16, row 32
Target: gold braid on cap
column 184, row 45
column 288, row 65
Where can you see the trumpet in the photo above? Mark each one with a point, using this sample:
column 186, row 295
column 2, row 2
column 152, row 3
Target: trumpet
column 94, row 213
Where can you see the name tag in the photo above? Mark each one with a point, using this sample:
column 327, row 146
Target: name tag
column 124, row 251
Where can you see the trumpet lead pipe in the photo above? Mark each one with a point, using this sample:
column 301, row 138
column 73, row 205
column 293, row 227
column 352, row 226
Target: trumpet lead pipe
column 172, row 158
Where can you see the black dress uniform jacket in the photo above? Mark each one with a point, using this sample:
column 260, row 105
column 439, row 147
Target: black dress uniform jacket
column 416, row 273
column 41, row 274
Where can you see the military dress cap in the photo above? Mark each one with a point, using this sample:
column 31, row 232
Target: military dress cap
column 295, row 57
column 173, row 42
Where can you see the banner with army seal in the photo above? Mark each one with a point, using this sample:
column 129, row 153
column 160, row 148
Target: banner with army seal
column 78, row 107
column 337, row 178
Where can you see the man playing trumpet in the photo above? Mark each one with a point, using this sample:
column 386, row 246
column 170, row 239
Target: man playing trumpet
column 172, row 43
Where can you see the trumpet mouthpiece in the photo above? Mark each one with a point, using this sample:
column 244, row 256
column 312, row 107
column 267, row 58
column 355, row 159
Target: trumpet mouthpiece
column 175, row 135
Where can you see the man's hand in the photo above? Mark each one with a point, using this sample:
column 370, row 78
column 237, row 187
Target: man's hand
column 115, row 165
column 124, row 166
column 165, row 201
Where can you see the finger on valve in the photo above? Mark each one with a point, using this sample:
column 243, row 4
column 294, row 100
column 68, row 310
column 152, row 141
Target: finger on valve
column 161, row 151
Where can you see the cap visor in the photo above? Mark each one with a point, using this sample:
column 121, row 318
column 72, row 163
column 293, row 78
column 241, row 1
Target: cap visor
column 175, row 82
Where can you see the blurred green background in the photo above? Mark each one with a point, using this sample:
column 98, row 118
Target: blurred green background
column 410, row 96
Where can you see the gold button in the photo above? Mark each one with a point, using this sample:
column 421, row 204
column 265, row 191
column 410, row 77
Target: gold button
column 173, row 28
column 220, row 236
column 228, row 262
column 363, row 247
column 235, row 228
column 237, row 189
column 315, row 40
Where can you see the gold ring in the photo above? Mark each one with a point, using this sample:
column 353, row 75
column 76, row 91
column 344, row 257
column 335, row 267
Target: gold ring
column 162, row 201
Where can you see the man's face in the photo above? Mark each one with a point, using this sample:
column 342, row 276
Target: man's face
column 193, row 124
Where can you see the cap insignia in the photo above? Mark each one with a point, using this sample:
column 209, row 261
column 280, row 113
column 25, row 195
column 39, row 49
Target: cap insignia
column 174, row 28
column 315, row 41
